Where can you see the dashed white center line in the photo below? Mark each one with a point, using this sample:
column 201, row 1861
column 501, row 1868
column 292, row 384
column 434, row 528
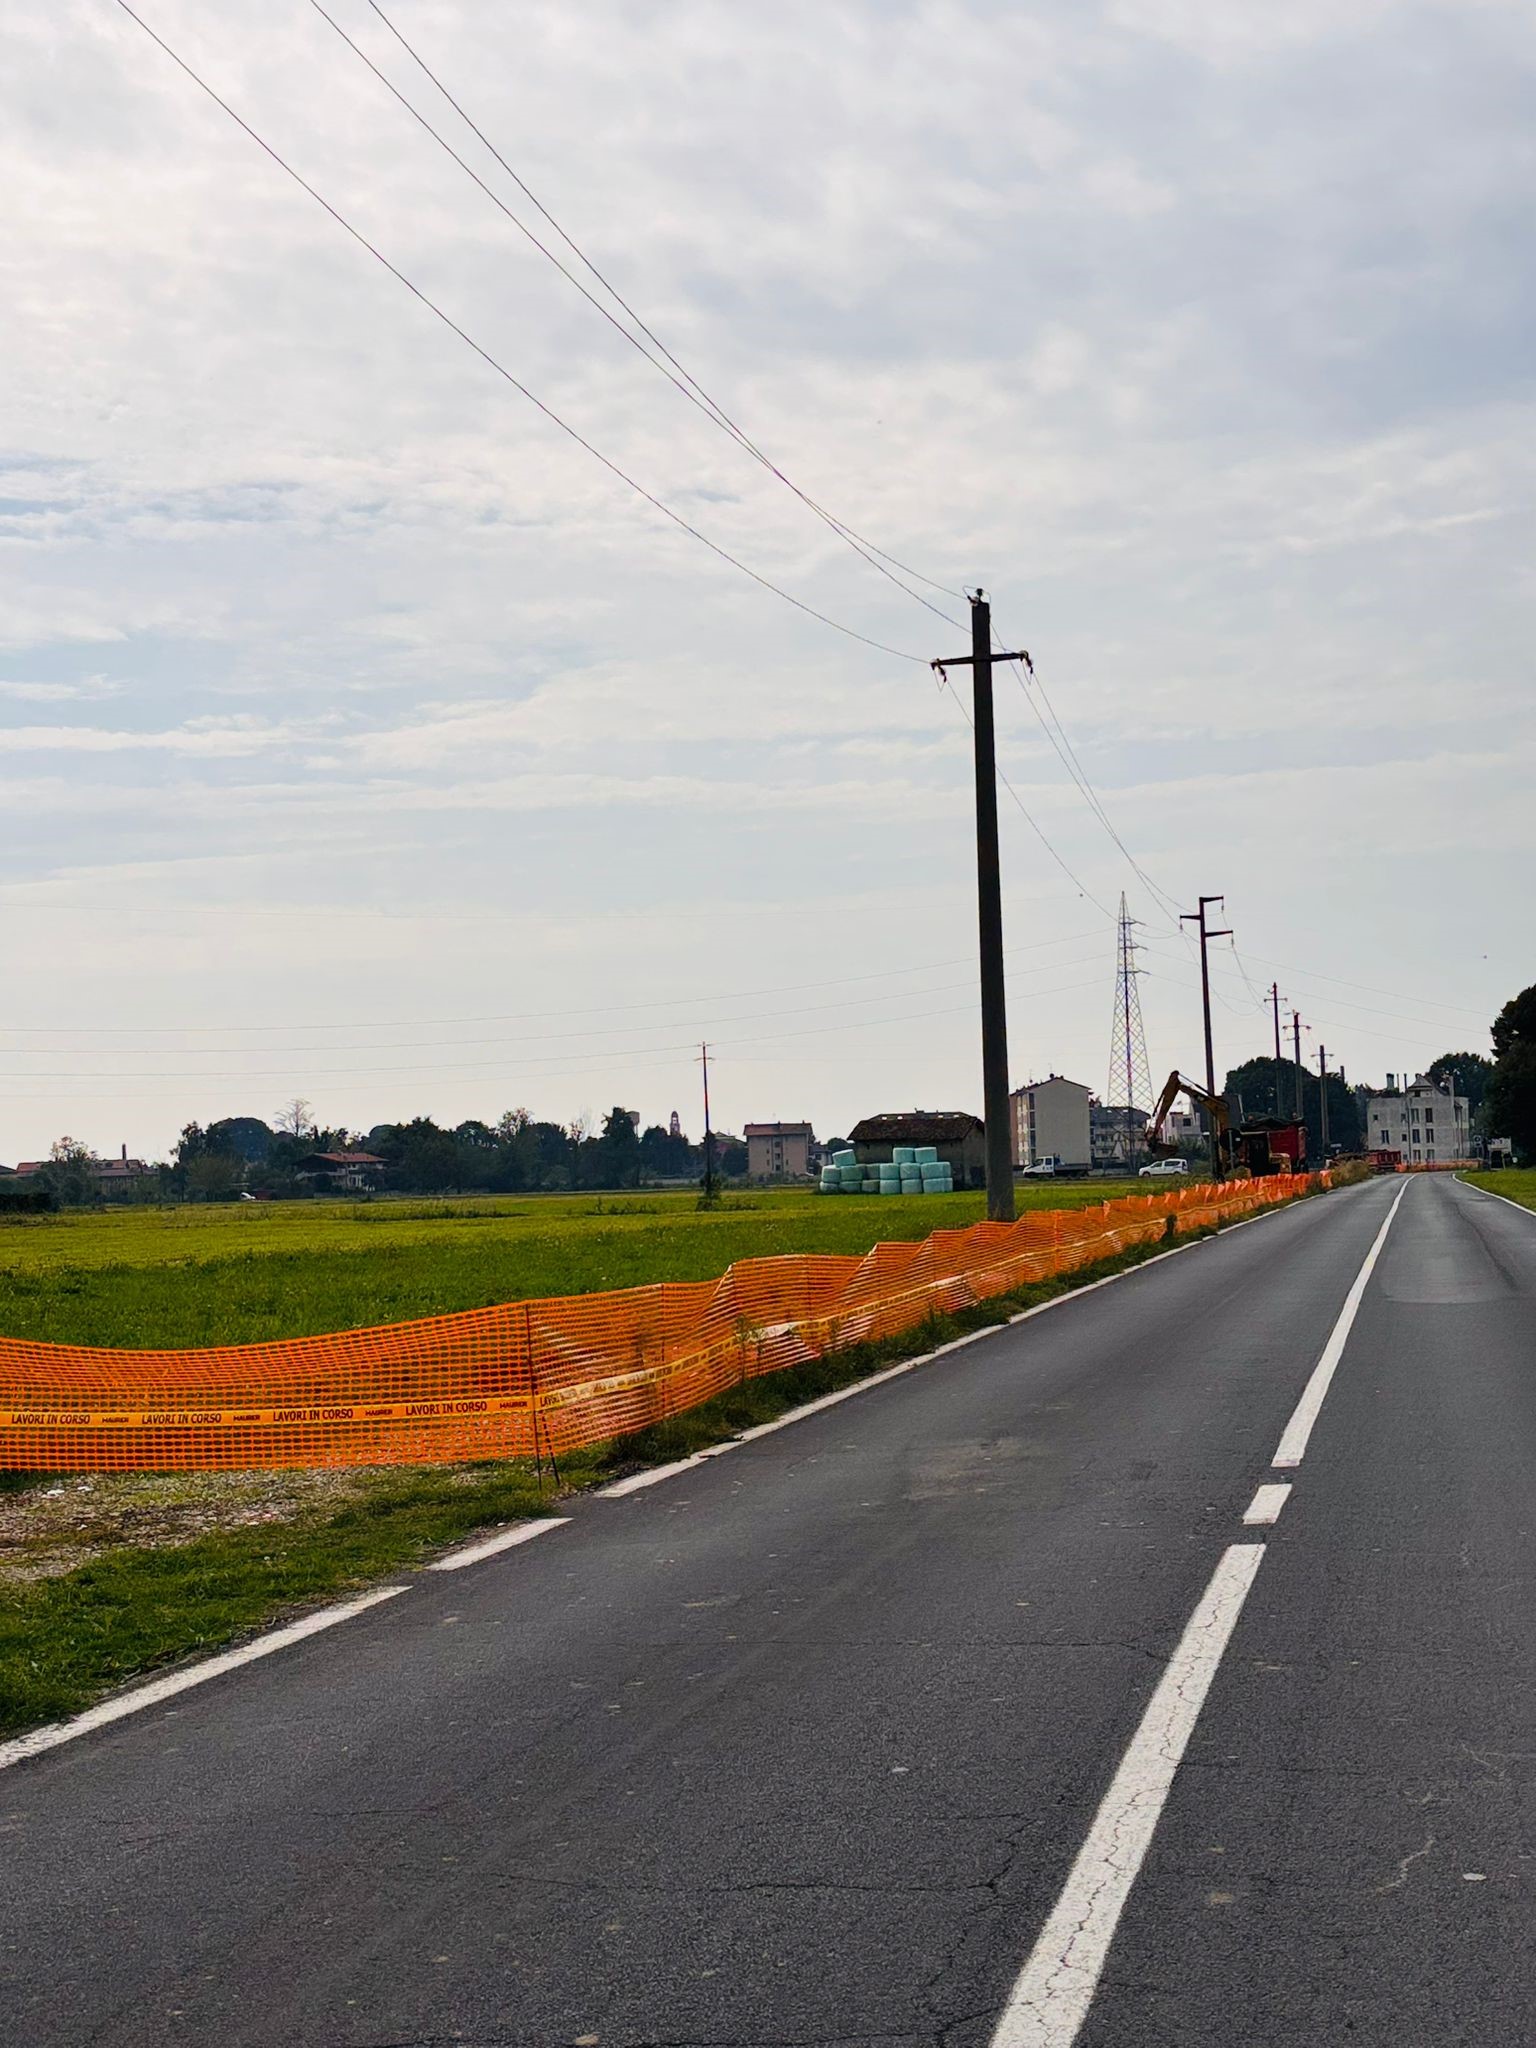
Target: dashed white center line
column 1050, row 2000
column 1293, row 1443
column 1266, row 1504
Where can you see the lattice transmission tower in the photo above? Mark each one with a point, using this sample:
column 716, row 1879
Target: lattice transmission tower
column 1130, row 1078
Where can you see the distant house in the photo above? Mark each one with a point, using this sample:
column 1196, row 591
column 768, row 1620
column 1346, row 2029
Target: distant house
column 112, row 1176
column 1119, row 1135
column 959, row 1139
column 779, row 1151
column 115, row 1175
column 343, row 1172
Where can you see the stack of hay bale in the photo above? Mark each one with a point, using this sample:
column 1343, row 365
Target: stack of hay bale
column 843, row 1175
column 915, row 1170
column 910, row 1170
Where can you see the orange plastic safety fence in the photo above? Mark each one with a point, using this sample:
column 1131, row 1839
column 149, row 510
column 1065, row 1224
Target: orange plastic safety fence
column 551, row 1374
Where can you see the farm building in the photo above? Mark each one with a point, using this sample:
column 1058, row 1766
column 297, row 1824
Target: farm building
column 342, row 1171
column 959, row 1139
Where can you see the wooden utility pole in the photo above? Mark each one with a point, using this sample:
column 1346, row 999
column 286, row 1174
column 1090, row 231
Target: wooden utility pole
column 1322, row 1100
column 1296, row 1061
column 989, row 903
column 1274, row 997
column 709, row 1137
column 1207, row 933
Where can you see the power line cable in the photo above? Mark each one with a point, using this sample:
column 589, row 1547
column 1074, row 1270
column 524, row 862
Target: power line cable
column 1029, row 683
column 690, row 385
column 606, row 1055
column 562, row 1036
column 689, row 1003
column 502, row 371
column 1076, row 881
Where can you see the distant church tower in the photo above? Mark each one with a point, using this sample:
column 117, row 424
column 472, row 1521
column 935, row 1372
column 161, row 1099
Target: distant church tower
column 675, row 1126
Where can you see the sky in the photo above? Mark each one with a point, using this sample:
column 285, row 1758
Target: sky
column 363, row 738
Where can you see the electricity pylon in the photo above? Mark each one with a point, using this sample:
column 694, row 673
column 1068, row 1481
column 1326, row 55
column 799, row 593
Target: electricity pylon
column 1130, row 1078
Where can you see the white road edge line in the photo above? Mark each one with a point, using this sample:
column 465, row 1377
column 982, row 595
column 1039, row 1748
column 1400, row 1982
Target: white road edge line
column 1264, row 1509
column 1293, row 1442
column 504, row 1539
column 1492, row 1196
column 22, row 1746
column 1051, row 1996
column 654, row 1475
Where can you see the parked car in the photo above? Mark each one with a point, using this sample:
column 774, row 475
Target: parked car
column 1155, row 1169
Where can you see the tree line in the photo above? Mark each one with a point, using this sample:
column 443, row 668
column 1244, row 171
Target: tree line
column 517, row 1154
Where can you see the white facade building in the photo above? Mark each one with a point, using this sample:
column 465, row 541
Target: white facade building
column 1050, row 1121
column 1425, row 1124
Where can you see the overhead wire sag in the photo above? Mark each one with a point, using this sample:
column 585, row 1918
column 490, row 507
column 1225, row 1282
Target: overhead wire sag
column 695, row 391
column 548, row 412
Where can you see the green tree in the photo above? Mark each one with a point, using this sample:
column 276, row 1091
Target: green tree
column 214, row 1177
column 1263, row 1087
column 429, row 1158
column 619, row 1151
column 1465, row 1073
column 70, row 1175
column 1510, row 1106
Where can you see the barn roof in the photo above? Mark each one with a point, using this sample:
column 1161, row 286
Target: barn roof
column 917, row 1127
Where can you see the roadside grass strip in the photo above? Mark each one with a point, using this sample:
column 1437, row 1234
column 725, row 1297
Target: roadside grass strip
column 158, row 1689
column 1516, row 1187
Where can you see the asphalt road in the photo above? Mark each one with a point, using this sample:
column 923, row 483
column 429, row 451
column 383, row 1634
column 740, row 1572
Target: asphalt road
column 800, row 1746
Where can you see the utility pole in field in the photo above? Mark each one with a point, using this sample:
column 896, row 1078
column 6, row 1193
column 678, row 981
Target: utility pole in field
column 709, row 1136
column 1322, row 1100
column 1274, row 997
column 1207, row 933
column 989, row 903
column 1296, row 1063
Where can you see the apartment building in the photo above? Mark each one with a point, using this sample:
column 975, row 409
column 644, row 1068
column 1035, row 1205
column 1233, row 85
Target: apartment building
column 1050, row 1119
column 779, row 1151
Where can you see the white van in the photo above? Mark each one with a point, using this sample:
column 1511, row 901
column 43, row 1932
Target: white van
column 1156, row 1168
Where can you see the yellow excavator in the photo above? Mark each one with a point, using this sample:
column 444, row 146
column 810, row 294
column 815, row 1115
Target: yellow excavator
column 1218, row 1115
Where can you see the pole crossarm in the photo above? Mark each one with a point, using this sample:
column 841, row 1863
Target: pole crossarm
column 965, row 660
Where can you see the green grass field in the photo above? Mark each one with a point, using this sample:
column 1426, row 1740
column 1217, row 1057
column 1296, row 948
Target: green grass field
column 243, row 1272
column 1516, row 1184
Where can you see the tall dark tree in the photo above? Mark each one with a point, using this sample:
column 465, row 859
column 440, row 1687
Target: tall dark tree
column 1509, row 1110
column 1263, row 1087
column 1260, row 1087
column 1465, row 1073
column 70, row 1174
column 619, row 1150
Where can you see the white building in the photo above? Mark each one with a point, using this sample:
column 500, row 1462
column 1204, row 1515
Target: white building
column 1049, row 1120
column 1424, row 1124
